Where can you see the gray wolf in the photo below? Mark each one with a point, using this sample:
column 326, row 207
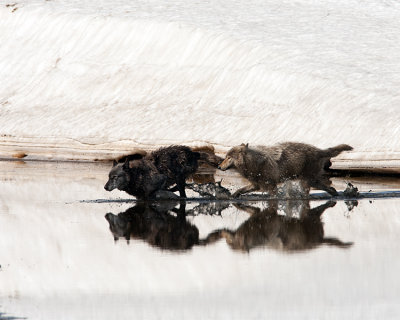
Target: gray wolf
column 268, row 228
column 265, row 167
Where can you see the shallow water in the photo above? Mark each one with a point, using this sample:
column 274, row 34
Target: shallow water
column 252, row 260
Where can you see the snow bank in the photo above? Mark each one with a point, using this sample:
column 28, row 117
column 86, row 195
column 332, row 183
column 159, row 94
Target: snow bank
column 89, row 79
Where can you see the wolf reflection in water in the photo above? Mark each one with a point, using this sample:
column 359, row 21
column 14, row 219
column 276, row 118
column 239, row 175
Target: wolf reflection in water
column 166, row 227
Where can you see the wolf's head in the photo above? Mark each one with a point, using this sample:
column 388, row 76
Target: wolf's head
column 234, row 157
column 119, row 226
column 119, row 177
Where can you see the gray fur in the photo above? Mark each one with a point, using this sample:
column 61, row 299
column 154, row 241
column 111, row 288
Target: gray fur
column 265, row 167
column 266, row 228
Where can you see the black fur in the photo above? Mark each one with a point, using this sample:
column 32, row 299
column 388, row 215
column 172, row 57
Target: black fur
column 139, row 178
column 177, row 163
column 163, row 168
column 155, row 225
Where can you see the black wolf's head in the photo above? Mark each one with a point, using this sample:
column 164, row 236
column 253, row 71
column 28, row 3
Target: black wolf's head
column 233, row 157
column 119, row 177
column 119, row 226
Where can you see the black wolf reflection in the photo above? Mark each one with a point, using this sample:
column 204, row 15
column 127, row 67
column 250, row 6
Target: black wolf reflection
column 165, row 226
column 162, row 226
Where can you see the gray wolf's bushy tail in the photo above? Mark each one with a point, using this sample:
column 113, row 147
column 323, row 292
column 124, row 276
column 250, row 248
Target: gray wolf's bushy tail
column 335, row 151
column 336, row 242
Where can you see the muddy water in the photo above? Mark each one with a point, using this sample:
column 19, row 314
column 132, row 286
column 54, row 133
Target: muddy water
column 196, row 260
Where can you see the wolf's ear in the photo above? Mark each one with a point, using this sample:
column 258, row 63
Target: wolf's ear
column 115, row 163
column 244, row 146
column 126, row 164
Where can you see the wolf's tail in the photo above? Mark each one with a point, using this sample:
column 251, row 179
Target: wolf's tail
column 207, row 155
column 335, row 151
column 337, row 243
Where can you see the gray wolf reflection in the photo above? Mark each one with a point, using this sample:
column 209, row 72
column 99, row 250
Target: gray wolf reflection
column 165, row 226
column 281, row 232
column 265, row 167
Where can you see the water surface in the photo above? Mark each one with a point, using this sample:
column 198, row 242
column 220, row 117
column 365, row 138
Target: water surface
column 198, row 260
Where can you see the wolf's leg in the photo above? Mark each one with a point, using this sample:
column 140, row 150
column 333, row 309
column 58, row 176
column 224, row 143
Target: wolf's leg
column 318, row 184
column 249, row 209
column 272, row 190
column 246, row 189
column 181, row 183
column 181, row 211
column 173, row 189
column 304, row 208
column 211, row 238
column 318, row 211
column 305, row 187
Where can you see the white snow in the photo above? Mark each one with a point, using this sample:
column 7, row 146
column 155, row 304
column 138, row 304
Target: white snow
column 85, row 79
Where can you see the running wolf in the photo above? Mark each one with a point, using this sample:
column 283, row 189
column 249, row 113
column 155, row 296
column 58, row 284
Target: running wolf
column 176, row 163
column 143, row 175
column 139, row 178
column 265, row 167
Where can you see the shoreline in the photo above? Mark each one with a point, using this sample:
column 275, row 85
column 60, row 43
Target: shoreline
column 353, row 163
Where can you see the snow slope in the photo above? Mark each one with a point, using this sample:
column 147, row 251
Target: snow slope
column 88, row 79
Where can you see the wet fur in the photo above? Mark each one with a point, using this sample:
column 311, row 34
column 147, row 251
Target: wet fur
column 176, row 163
column 265, row 167
column 139, row 178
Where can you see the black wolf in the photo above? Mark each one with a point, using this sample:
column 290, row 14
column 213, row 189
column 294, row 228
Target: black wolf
column 176, row 163
column 139, row 178
column 265, row 167
column 163, row 227
column 159, row 170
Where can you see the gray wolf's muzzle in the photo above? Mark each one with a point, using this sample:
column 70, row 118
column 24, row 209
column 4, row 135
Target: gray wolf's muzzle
column 226, row 164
